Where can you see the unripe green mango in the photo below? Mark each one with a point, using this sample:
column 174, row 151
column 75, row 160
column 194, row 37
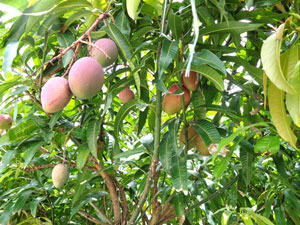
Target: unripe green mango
column 60, row 175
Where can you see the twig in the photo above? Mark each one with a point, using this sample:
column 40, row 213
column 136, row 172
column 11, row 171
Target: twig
column 90, row 218
column 73, row 59
column 38, row 167
column 97, row 47
column 111, row 188
column 101, row 213
column 124, row 202
column 210, row 197
column 72, row 164
column 74, row 44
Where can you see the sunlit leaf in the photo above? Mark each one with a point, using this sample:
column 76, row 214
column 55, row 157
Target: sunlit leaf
column 168, row 52
column 270, row 56
column 132, row 6
column 92, row 134
column 267, row 143
column 124, row 110
column 82, row 156
column 279, row 116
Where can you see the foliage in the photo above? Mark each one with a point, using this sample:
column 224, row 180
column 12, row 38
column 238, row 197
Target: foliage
column 126, row 164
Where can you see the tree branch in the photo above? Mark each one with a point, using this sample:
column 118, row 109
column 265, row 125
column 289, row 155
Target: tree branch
column 124, row 205
column 101, row 213
column 112, row 190
column 210, row 197
column 74, row 44
column 90, row 218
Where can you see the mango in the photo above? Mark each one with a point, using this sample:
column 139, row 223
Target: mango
column 86, row 78
column 126, row 95
column 60, row 175
column 201, row 147
column 191, row 82
column 172, row 102
column 108, row 53
column 5, row 121
column 192, row 135
column 55, row 94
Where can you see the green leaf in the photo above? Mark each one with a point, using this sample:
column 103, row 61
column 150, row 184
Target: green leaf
column 166, row 152
column 175, row 24
column 179, row 204
column 225, row 141
column 54, row 119
column 82, row 156
column 247, row 158
column 229, row 27
column 21, row 200
column 130, row 153
column 208, row 58
column 124, row 110
column 124, row 45
column 92, row 132
column 132, row 7
column 39, row 6
column 168, row 53
column 9, row 55
column 34, row 204
column 120, row 39
column 207, row 131
column 142, row 119
column 8, row 156
column 207, row 72
column 7, row 213
column 293, row 101
column 22, row 131
column 267, row 143
column 76, row 16
column 225, row 217
column 263, row 219
column 278, row 114
column 280, row 215
column 288, row 61
column 34, row 147
column 270, row 57
column 156, row 4
column 179, row 162
column 123, row 24
column 65, row 40
column 70, row 5
column 222, row 165
column 255, row 72
column 247, row 219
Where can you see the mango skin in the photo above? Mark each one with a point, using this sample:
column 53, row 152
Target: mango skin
column 172, row 103
column 5, row 121
column 126, row 95
column 192, row 135
column 191, row 82
column 55, row 94
column 60, row 175
column 86, row 78
column 201, row 147
column 108, row 46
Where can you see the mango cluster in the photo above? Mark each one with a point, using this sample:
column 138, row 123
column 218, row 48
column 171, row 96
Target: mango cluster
column 172, row 101
column 86, row 77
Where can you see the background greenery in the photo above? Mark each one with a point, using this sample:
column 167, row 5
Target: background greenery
column 136, row 144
